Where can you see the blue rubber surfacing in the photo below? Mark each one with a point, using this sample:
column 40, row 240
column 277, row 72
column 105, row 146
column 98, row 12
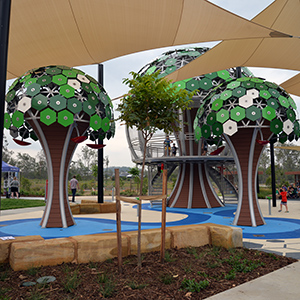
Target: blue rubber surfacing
column 275, row 228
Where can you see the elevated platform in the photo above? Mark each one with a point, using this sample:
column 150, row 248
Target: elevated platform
column 186, row 159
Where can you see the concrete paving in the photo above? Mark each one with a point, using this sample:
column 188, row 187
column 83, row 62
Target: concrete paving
column 281, row 284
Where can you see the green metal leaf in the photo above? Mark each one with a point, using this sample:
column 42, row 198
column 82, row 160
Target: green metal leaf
column 238, row 113
column 18, row 119
column 39, row 102
column 269, row 113
column 65, row 118
column 48, row 116
column 95, row 122
column 58, row 102
column 74, row 105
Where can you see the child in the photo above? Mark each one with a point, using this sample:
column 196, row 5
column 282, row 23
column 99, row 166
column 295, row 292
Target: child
column 283, row 200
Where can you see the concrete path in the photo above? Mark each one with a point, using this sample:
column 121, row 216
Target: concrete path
column 282, row 284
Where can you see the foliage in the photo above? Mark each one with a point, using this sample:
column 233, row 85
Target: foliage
column 25, row 183
column 20, row 203
column 191, row 285
column 152, row 104
column 106, row 285
column 86, row 165
column 6, row 153
column 285, row 160
column 72, row 281
column 135, row 172
column 264, row 192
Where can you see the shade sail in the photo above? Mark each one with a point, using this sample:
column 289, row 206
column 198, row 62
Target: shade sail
column 292, row 85
column 9, row 168
column 284, row 53
column 76, row 32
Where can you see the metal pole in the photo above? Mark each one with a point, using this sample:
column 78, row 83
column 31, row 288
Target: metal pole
column 238, row 72
column 100, row 151
column 4, row 31
column 273, row 173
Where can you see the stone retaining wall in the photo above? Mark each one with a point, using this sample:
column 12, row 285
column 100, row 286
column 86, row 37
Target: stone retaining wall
column 92, row 207
column 27, row 252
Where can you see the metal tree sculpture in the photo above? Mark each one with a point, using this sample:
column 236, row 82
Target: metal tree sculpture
column 192, row 188
column 61, row 107
column 247, row 112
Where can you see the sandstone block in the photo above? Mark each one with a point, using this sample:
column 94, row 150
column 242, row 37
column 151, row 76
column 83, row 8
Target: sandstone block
column 150, row 240
column 99, row 247
column 75, row 208
column 5, row 245
column 189, row 236
column 108, row 207
column 89, row 208
column 88, row 201
column 225, row 236
column 52, row 252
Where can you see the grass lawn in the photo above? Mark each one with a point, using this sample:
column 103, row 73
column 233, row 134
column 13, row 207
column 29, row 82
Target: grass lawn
column 20, row 203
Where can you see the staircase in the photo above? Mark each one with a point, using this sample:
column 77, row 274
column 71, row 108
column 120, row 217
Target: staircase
column 156, row 182
column 229, row 192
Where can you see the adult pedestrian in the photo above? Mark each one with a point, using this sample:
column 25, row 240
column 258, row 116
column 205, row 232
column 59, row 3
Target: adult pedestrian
column 74, row 185
column 14, row 187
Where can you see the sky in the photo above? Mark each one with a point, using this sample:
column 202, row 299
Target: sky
column 116, row 70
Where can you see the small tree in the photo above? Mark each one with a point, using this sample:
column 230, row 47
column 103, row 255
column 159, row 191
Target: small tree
column 152, row 104
column 135, row 173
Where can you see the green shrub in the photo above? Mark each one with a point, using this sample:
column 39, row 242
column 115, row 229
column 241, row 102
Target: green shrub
column 191, row 285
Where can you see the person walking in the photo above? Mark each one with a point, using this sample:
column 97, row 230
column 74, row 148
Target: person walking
column 74, row 185
column 14, row 188
column 283, row 195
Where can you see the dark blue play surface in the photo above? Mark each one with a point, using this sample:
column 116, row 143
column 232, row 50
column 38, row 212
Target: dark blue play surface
column 275, row 228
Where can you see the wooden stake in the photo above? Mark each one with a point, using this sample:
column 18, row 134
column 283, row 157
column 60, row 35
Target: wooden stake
column 163, row 216
column 139, row 234
column 118, row 217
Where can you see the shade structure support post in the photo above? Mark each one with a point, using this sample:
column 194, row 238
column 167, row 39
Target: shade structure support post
column 273, row 179
column 4, row 32
column 100, row 151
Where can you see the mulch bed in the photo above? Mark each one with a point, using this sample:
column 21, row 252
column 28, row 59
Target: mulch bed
column 189, row 273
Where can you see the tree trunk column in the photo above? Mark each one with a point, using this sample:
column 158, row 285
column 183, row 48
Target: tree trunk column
column 246, row 152
column 58, row 149
column 192, row 189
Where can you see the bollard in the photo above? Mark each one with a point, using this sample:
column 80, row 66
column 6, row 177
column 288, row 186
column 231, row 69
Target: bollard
column 269, row 198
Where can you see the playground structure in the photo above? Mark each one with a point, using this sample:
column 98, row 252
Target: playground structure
column 261, row 108
column 61, row 107
column 193, row 187
column 248, row 113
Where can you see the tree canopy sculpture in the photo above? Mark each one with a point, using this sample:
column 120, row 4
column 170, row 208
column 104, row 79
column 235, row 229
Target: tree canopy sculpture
column 247, row 112
column 193, row 188
column 61, row 107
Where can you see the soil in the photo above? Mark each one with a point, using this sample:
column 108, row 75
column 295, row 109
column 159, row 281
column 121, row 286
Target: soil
column 190, row 273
